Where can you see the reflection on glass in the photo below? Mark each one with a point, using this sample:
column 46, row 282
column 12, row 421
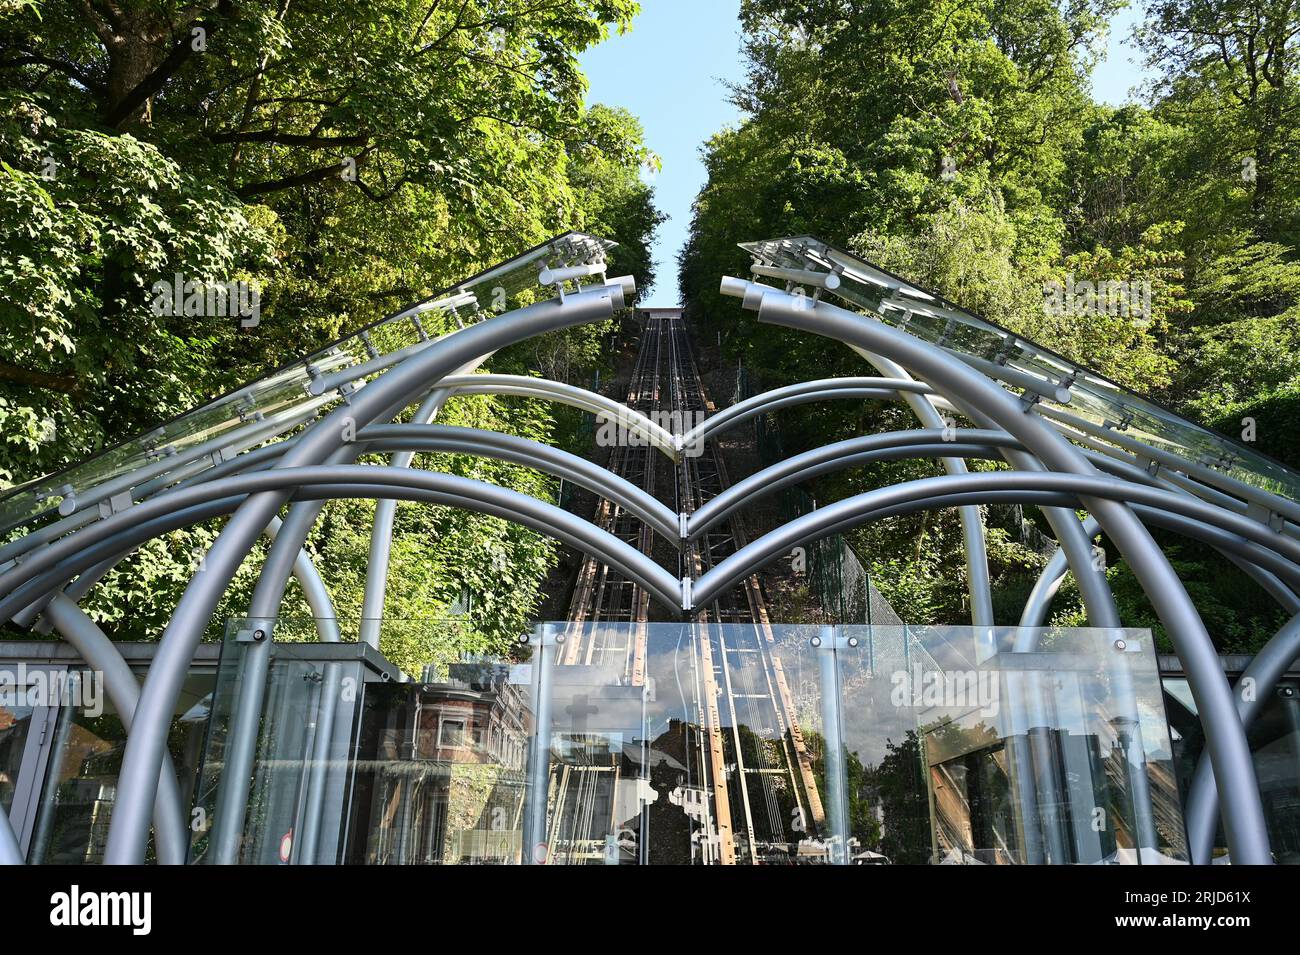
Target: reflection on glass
column 80, row 785
column 15, row 727
column 1274, row 739
column 706, row 744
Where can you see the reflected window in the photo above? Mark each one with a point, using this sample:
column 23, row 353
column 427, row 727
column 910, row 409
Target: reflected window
column 452, row 733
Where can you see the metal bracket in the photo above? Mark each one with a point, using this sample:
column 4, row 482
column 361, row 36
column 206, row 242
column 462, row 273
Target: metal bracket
column 115, row 504
column 1266, row 516
column 833, row 638
column 682, row 520
column 1004, row 353
column 258, row 634
column 1125, row 419
column 550, row 636
column 371, row 350
column 688, row 599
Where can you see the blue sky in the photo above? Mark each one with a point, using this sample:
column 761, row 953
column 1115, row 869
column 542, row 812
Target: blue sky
column 671, row 70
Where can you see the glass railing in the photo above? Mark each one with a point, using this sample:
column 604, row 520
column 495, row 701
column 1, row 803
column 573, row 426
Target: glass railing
column 684, row 743
column 284, row 399
column 1097, row 400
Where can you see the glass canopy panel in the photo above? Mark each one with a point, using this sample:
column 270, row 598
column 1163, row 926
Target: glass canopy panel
column 707, row 744
column 1095, row 398
column 244, row 418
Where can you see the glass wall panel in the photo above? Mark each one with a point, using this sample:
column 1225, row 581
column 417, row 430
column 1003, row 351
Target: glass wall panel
column 707, row 744
column 1274, row 739
column 79, row 784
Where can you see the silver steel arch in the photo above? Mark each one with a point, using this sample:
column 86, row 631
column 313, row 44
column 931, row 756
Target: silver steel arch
column 60, row 562
column 396, row 387
column 1225, row 740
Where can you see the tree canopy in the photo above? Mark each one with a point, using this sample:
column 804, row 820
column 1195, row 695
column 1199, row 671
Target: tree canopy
column 959, row 145
column 343, row 159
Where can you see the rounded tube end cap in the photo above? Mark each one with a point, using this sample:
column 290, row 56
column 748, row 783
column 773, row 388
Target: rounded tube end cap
column 733, row 287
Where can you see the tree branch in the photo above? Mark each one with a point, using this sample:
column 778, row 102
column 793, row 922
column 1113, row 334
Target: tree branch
column 67, row 384
column 290, row 139
column 180, row 53
column 320, row 174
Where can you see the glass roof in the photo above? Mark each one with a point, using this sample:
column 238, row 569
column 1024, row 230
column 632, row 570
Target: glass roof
column 1093, row 398
column 286, row 398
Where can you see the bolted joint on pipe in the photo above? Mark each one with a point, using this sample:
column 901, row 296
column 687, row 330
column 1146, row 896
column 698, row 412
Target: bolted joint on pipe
column 257, row 631
column 688, row 599
column 626, row 285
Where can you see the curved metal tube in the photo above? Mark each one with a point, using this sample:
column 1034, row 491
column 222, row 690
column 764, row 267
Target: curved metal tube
column 809, row 391
column 1252, row 691
column 523, row 386
column 1226, row 742
column 171, row 835
column 1061, row 489
column 1052, row 576
column 534, row 454
column 833, row 457
column 416, row 375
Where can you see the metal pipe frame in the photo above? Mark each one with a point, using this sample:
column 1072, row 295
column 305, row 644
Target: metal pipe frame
column 315, row 466
column 139, row 773
column 819, row 390
column 523, row 386
column 1225, row 740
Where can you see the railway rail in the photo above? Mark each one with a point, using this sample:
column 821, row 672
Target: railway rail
column 749, row 769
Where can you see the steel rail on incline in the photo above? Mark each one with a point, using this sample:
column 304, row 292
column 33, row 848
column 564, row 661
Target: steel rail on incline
column 604, row 595
column 773, row 789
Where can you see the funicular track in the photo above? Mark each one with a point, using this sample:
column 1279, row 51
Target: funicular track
column 752, row 767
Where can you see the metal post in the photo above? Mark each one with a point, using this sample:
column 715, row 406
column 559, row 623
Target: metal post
column 381, row 533
column 536, row 843
column 322, row 753
column 826, row 645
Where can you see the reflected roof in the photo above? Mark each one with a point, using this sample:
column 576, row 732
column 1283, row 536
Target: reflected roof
column 1124, row 417
column 288, row 397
